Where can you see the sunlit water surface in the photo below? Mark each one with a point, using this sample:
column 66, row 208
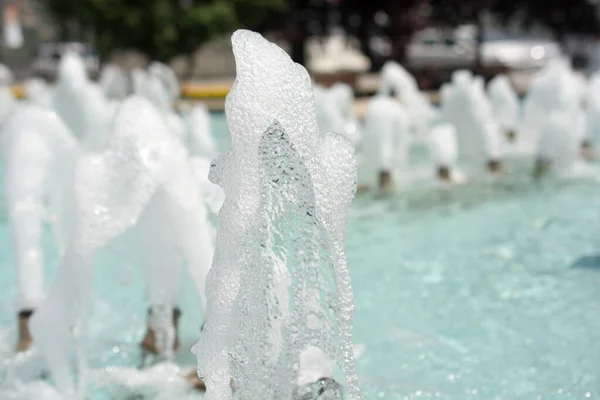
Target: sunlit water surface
column 478, row 293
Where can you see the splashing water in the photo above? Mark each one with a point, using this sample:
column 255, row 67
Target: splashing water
column 38, row 92
column 554, row 89
column 112, row 189
column 38, row 156
column 394, row 78
column 386, row 141
column 279, row 282
column 505, row 103
column 81, row 103
column 7, row 103
column 6, row 75
column 157, row 85
column 466, row 106
column 560, row 141
column 114, row 82
column 200, row 140
column 335, row 113
column 167, row 77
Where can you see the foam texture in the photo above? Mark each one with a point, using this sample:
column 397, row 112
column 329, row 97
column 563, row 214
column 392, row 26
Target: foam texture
column 81, row 103
column 420, row 112
column 200, row 139
column 466, row 106
column 505, row 102
column 38, row 92
column 554, row 89
column 443, row 145
column 39, row 154
column 114, row 82
column 385, row 142
column 335, row 111
column 279, row 281
column 112, row 189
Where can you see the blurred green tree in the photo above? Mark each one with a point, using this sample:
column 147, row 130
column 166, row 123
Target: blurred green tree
column 160, row 28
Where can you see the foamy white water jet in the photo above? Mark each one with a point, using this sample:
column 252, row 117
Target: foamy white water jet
column 397, row 80
column 288, row 190
column 505, row 103
column 38, row 157
column 466, row 106
column 38, row 92
column 335, row 111
column 6, row 75
column 443, row 148
column 112, row 189
column 114, row 82
column 592, row 110
column 157, row 85
column 200, row 139
column 7, row 103
column 559, row 144
column 167, row 76
column 385, row 143
column 81, row 103
column 554, row 89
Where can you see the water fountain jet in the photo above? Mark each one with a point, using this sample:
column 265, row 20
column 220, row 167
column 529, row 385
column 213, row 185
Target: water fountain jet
column 385, row 157
column 288, row 190
column 38, row 157
column 143, row 163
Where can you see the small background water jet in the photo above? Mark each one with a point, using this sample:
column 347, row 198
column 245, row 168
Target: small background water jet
column 464, row 103
column 81, row 103
column 395, row 79
column 38, row 156
column 554, row 89
column 111, row 190
column 335, row 111
column 385, row 145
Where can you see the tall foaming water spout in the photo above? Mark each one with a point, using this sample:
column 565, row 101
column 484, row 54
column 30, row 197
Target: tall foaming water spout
column 279, row 285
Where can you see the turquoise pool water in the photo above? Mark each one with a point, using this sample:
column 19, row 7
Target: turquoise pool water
column 478, row 293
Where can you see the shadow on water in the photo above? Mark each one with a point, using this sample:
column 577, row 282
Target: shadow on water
column 591, row 262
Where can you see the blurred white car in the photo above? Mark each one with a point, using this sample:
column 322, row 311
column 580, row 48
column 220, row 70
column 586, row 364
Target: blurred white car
column 49, row 54
column 457, row 48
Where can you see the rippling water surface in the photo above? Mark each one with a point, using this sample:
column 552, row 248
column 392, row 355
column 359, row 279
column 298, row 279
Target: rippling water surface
column 483, row 292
